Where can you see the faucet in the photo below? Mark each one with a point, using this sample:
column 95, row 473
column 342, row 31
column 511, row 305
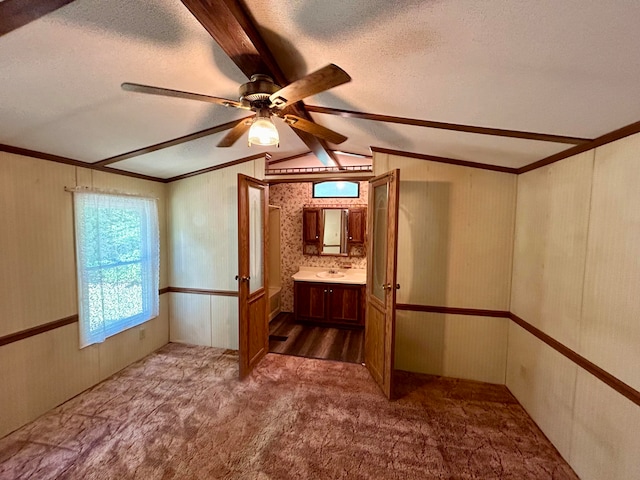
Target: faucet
column 332, row 271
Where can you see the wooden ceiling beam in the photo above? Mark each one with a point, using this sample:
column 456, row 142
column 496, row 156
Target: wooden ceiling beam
column 169, row 143
column 499, row 132
column 235, row 31
column 17, row 13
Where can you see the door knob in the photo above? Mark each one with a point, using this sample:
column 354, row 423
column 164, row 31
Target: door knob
column 397, row 286
column 243, row 279
column 386, row 286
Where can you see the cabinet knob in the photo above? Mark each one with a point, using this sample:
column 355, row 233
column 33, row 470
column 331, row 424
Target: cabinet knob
column 316, row 236
column 325, row 291
column 330, row 291
column 350, row 238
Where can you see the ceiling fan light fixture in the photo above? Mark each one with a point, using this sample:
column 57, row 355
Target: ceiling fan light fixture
column 262, row 131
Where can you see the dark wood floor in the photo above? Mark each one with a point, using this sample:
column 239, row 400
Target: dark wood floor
column 291, row 338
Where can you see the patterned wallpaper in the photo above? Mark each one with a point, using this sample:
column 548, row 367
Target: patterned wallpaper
column 291, row 197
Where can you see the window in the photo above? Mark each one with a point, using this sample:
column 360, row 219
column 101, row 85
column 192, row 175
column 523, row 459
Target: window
column 117, row 256
column 335, row 189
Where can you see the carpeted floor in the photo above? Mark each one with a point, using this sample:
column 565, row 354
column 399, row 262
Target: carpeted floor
column 182, row 414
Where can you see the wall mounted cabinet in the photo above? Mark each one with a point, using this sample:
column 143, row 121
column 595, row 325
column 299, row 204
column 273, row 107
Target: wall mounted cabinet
column 334, row 231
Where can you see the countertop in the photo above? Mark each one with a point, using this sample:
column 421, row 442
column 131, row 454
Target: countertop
column 353, row 276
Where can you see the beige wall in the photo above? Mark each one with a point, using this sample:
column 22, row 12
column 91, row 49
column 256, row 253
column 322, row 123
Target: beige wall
column 454, row 250
column 292, row 197
column 203, row 246
column 576, row 277
column 38, row 285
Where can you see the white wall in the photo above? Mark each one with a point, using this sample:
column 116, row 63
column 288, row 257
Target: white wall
column 203, row 245
column 454, row 250
column 576, row 277
column 38, row 286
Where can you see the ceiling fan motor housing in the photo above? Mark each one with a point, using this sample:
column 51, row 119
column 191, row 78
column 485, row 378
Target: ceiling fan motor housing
column 257, row 91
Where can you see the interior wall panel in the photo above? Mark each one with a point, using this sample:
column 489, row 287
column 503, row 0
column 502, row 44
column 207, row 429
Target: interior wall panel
column 37, row 257
column 190, row 318
column 543, row 381
column 41, row 372
column 203, row 244
column 133, row 344
column 224, row 322
column 203, row 218
column 458, row 346
column 550, row 246
column 454, row 235
column 38, row 286
column 610, row 331
column 605, row 432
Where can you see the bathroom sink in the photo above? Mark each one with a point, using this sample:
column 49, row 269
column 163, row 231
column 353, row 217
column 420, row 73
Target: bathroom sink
column 330, row 274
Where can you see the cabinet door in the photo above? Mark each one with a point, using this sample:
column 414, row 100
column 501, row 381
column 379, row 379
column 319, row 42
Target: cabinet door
column 310, row 301
column 311, row 225
column 357, row 225
column 345, row 304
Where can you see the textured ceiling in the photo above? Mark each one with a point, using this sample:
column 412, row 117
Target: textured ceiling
column 565, row 68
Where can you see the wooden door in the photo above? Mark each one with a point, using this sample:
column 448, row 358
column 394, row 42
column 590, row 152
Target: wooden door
column 382, row 253
column 253, row 288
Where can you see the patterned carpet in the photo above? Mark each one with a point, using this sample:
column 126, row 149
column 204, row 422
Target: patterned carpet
column 180, row 413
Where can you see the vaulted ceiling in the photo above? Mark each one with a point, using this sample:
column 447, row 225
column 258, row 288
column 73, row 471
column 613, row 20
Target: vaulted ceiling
column 502, row 83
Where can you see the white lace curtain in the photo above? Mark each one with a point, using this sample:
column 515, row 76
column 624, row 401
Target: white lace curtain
column 117, row 253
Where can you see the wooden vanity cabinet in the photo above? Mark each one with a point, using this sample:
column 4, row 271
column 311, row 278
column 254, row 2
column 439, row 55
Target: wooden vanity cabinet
column 357, row 225
column 331, row 304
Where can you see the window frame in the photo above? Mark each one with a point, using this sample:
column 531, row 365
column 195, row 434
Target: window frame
column 313, row 189
column 92, row 295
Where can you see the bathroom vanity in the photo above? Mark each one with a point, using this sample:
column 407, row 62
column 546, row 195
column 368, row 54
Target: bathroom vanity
column 330, row 297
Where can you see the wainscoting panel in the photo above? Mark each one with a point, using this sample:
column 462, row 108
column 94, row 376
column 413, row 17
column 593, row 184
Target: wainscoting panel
column 131, row 345
column 552, row 220
column 224, row 322
column 461, row 346
column 41, row 372
column 605, row 439
column 610, row 330
column 190, row 318
column 543, row 381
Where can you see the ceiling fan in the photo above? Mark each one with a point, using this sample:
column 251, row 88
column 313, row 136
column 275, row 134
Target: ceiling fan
column 262, row 96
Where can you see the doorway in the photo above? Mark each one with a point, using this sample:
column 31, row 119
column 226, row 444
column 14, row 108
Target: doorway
column 304, row 339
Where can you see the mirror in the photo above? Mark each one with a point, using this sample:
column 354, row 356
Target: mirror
column 334, row 230
column 334, row 236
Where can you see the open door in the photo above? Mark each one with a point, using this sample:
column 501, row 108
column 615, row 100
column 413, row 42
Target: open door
column 253, row 288
column 382, row 254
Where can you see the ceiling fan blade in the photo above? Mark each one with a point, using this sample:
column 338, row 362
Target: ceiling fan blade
column 167, row 92
column 235, row 133
column 316, row 82
column 314, row 129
